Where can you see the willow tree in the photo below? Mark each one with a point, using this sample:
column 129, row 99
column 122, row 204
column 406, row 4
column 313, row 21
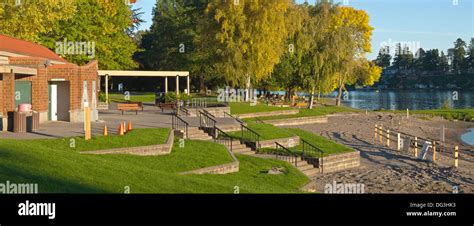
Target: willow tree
column 250, row 38
column 27, row 20
column 288, row 73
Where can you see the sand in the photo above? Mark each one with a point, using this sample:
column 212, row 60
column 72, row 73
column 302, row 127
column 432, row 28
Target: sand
column 385, row 170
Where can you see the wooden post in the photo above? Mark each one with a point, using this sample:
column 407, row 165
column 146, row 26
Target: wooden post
column 408, row 113
column 375, row 133
column 398, row 142
column 380, row 134
column 456, row 156
column 87, row 122
column 416, row 147
column 434, row 151
column 388, row 138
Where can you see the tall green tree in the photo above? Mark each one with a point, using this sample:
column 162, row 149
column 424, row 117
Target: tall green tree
column 459, row 56
column 33, row 18
column 250, row 38
column 383, row 58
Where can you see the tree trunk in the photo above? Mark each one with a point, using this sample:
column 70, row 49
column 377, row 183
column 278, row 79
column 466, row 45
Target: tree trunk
column 311, row 99
column 247, row 89
column 339, row 92
column 202, row 85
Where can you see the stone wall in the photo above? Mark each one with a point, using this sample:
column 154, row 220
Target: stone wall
column 151, row 150
column 297, row 121
column 339, row 162
column 270, row 113
column 287, row 142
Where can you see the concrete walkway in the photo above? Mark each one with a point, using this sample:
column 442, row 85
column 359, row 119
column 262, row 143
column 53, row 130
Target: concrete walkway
column 150, row 117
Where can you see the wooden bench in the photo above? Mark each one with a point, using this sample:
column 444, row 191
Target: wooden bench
column 140, row 104
column 128, row 107
column 164, row 106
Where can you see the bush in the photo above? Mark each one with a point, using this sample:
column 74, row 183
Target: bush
column 102, row 97
column 446, row 105
column 171, row 97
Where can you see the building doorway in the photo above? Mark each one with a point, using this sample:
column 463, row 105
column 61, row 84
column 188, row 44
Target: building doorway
column 59, row 101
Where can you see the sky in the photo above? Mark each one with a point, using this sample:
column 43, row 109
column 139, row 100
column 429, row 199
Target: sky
column 427, row 24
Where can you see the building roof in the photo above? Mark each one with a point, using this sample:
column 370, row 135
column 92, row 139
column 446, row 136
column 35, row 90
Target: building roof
column 17, row 46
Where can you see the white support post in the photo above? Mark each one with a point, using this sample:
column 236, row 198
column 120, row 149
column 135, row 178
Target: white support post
column 177, row 85
column 188, row 85
column 398, row 141
column 166, row 84
column 107, row 89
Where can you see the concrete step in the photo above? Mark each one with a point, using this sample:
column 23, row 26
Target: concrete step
column 304, row 167
column 239, row 150
column 311, row 172
column 250, row 152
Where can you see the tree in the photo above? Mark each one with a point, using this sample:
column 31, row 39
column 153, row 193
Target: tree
column 384, row 58
column 33, row 18
column 459, row 56
column 470, row 59
column 443, row 62
column 431, row 60
column 353, row 38
column 250, row 38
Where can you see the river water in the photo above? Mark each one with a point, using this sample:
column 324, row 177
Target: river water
column 403, row 99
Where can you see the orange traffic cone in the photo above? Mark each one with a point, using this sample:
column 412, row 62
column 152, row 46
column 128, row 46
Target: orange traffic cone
column 121, row 129
column 106, row 131
column 130, row 125
column 124, row 127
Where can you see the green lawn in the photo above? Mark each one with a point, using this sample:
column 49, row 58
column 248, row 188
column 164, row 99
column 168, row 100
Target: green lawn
column 58, row 168
column 329, row 147
column 266, row 131
column 244, row 108
column 304, row 112
column 459, row 114
column 134, row 97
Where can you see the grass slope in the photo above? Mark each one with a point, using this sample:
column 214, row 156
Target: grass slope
column 57, row 168
column 329, row 147
column 244, row 108
column 304, row 112
column 266, row 131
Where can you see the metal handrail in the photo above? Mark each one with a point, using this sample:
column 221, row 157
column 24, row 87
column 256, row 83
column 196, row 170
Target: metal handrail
column 208, row 113
column 183, row 110
column 235, row 118
column 309, row 148
column 178, row 123
column 290, row 157
column 227, row 138
column 207, row 123
column 254, row 138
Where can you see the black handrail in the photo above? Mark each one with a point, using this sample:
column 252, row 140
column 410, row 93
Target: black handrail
column 183, row 110
column 235, row 118
column 207, row 123
column 259, row 121
column 287, row 156
column 310, row 152
column 250, row 138
column 180, row 124
column 223, row 138
column 208, row 113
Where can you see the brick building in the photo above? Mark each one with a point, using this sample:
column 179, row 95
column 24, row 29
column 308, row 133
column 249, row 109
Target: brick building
column 33, row 74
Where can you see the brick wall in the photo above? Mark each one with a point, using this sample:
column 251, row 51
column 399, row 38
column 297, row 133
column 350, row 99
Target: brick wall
column 72, row 73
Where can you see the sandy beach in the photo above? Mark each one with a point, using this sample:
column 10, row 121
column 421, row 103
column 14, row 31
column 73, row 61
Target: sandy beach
column 386, row 170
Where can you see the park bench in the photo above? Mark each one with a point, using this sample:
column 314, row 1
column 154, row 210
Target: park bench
column 128, row 107
column 164, row 106
column 140, row 104
column 301, row 105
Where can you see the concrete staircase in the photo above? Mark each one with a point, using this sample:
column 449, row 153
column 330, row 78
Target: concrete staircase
column 230, row 127
column 195, row 133
column 242, row 149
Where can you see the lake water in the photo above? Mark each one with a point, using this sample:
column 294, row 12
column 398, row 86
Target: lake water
column 468, row 138
column 403, row 99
